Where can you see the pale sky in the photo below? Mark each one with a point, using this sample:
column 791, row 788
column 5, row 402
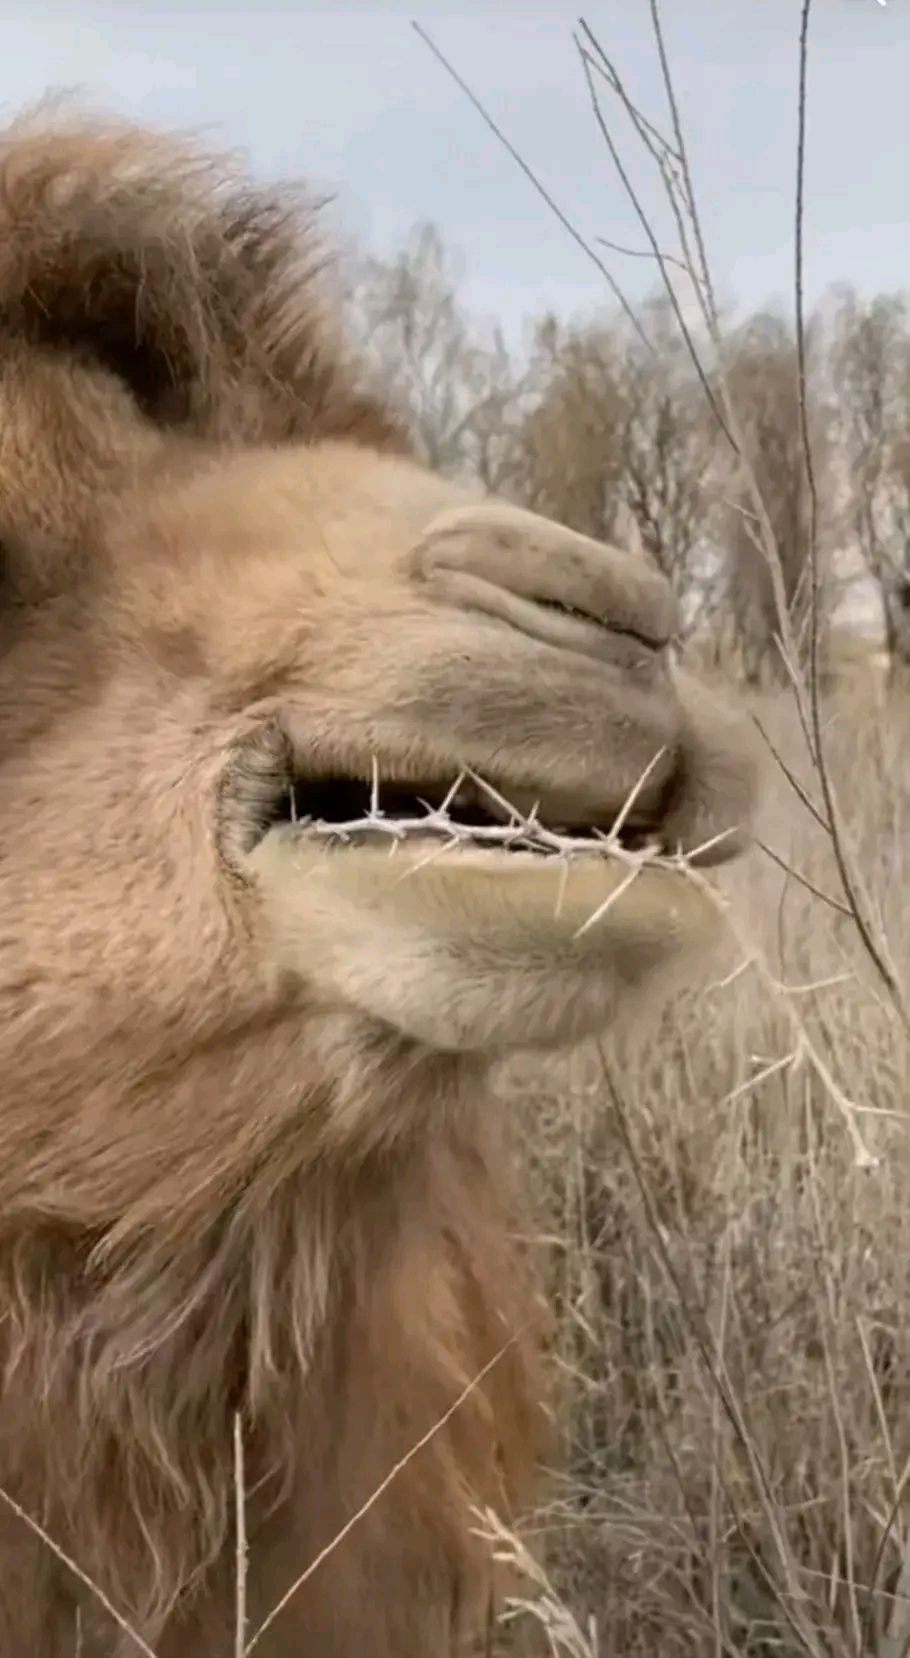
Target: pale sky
column 349, row 96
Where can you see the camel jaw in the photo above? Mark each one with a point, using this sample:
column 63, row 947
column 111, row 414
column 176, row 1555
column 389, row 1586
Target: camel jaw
column 466, row 946
column 468, row 916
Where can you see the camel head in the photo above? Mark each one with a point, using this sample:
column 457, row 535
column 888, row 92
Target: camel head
column 323, row 781
column 297, row 736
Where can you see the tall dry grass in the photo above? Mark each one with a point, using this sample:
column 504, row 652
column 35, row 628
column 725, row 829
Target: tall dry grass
column 731, row 1272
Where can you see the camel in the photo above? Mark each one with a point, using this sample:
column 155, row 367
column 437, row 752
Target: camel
column 312, row 766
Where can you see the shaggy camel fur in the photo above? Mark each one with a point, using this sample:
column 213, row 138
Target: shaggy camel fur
column 248, row 1167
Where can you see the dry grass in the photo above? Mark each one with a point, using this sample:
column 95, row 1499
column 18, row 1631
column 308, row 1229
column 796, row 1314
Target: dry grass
column 731, row 1281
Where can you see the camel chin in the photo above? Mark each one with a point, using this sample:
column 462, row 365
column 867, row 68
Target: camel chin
column 469, row 948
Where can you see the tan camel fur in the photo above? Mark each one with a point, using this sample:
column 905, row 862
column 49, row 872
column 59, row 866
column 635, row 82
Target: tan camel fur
column 249, row 1162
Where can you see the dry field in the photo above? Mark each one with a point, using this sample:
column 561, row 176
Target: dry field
column 724, row 1210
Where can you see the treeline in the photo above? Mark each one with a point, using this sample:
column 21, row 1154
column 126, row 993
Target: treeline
column 609, row 427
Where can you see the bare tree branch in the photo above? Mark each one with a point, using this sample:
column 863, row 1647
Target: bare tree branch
column 847, row 867
column 541, row 189
column 645, row 222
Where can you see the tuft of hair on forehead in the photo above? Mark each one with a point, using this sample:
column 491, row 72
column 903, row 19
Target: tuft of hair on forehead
column 207, row 294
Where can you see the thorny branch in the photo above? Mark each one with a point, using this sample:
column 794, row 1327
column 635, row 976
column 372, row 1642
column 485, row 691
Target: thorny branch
column 520, row 832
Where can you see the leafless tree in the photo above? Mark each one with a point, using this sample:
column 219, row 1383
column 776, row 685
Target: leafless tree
column 617, row 438
column 456, row 390
column 870, row 365
column 762, row 384
column 568, row 460
column 669, row 445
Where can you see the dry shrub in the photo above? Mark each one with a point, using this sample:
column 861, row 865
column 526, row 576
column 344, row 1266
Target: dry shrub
column 731, row 1284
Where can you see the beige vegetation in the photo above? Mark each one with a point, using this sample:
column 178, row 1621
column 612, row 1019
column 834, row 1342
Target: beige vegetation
column 327, row 781
column 731, row 1276
column 726, row 1233
column 721, row 1203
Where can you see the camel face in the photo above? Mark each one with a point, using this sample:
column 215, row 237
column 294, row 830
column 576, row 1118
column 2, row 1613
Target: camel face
column 234, row 604
column 408, row 666
column 266, row 646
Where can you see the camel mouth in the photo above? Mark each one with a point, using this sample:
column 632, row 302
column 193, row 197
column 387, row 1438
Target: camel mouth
column 467, row 813
column 269, row 789
column 465, row 914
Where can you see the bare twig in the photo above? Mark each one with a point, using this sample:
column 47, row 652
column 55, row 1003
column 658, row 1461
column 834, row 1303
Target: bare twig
column 668, row 162
column 71, row 1565
column 242, row 1549
column 681, row 197
column 682, row 150
column 645, row 223
column 805, row 1047
column 393, row 1474
column 817, row 892
column 571, row 229
column 875, row 948
column 643, row 253
column 798, row 788
column 767, row 1071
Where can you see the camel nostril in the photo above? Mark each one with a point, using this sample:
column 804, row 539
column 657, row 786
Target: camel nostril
column 652, row 640
column 497, row 557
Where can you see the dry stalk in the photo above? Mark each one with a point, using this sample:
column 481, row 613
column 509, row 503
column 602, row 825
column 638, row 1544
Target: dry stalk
column 242, row 1548
column 836, row 1411
column 570, row 229
column 370, row 1502
column 71, row 1565
column 788, row 1595
column 563, row 1632
column 847, row 865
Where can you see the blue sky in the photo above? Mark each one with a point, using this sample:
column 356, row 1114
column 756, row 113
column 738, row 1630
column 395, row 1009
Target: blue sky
column 349, row 96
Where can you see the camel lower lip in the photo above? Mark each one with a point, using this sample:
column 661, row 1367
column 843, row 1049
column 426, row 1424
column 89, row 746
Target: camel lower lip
column 581, row 906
